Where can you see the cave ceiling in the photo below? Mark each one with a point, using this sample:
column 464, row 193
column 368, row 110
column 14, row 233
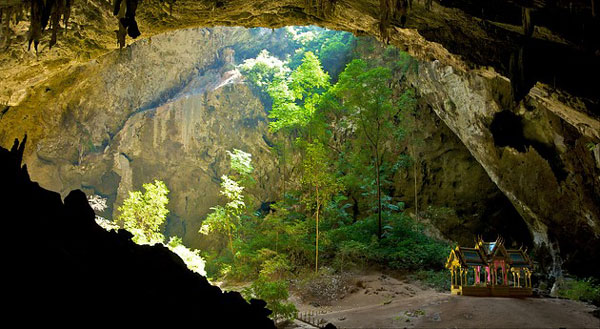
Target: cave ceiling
column 553, row 42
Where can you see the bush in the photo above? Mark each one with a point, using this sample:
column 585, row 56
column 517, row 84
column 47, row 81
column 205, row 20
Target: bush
column 275, row 293
column 351, row 254
column 586, row 290
column 403, row 246
column 438, row 280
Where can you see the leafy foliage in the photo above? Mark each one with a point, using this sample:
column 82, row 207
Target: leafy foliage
column 275, row 293
column 365, row 100
column 263, row 69
column 587, row 290
column 226, row 219
column 404, row 245
column 318, row 176
column 343, row 140
column 190, row 257
column 241, row 162
column 296, row 97
column 333, row 48
column 142, row 214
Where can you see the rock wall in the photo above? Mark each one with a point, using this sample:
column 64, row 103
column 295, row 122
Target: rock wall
column 533, row 152
column 184, row 143
column 166, row 108
column 455, row 193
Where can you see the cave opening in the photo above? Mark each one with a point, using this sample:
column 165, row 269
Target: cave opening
column 262, row 199
column 507, row 130
column 211, row 153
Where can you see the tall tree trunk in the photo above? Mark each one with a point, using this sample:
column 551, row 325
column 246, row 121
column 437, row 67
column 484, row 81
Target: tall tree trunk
column 415, row 182
column 317, row 236
column 378, row 182
column 284, row 172
column 231, row 244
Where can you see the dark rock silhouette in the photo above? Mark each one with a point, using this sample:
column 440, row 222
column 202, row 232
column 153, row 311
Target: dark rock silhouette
column 59, row 265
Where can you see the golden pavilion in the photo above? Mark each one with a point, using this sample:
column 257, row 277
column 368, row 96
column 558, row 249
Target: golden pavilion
column 489, row 269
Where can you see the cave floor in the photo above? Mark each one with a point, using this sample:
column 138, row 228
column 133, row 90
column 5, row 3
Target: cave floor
column 381, row 301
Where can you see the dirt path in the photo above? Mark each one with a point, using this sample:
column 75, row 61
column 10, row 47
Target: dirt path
column 380, row 301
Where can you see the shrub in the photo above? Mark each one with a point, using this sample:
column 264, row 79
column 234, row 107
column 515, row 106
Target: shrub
column 275, row 293
column 404, row 245
column 587, row 290
column 438, row 280
column 350, row 254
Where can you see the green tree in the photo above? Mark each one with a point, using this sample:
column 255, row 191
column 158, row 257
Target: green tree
column 241, row 163
column 275, row 293
column 190, row 257
column 319, row 178
column 261, row 71
column 142, row 214
column 226, row 219
column 334, row 48
column 366, row 98
column 295, row 99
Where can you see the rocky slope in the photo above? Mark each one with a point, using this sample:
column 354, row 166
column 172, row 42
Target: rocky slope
column 455, row 193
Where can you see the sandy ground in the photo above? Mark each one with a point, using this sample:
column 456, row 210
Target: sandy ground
column 379, row 301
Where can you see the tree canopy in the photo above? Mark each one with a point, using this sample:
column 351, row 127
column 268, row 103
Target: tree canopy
column 295, row 97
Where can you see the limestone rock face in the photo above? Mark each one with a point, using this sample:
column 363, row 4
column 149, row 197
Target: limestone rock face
column 455, row 193
column 167, row 109
column 536, row 154
column 184, row 143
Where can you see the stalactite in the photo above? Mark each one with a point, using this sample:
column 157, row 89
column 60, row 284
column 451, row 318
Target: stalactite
column 119, row 8
column 386, row 13
column 57, row 11
column 517, row 74
column 7, row 10
column 401, row 11
column 125, row 11
column 320, row 8
column 20, row 11
column 35, row 26
column 5, row 27
column 67, row 12
column 391, row 11
column 43, row 12
column 528, row 26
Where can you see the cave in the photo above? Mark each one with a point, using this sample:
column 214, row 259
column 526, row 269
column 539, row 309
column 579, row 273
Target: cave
column 505, row 141
column 507, row 129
